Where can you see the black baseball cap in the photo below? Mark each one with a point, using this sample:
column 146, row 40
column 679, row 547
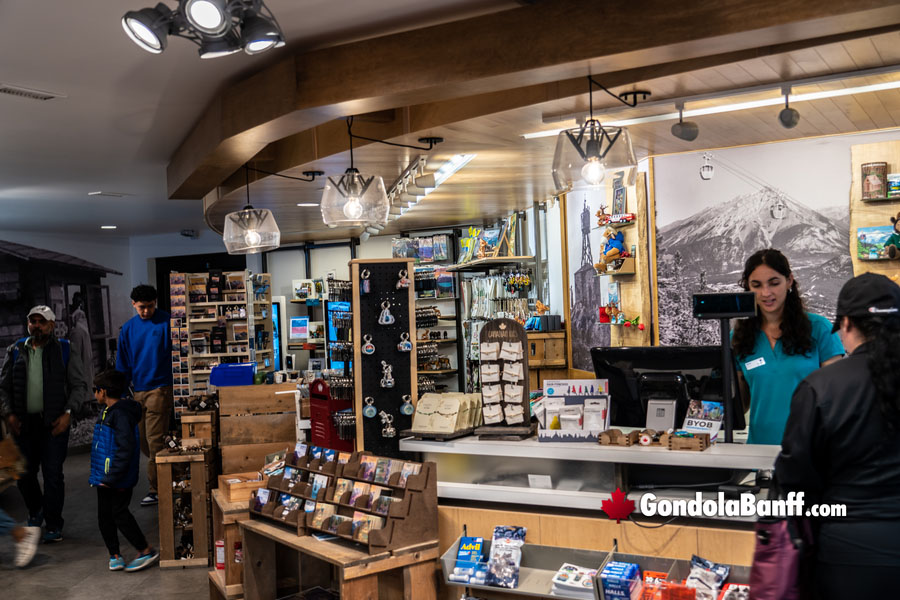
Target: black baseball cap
column 867, row 295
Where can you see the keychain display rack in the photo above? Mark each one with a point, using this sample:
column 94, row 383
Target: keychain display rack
column 328, row 405
column 409, row 518
column 384, row 360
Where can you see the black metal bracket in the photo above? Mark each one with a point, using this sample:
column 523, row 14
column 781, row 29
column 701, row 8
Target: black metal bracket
column 307, row 175
column 431, row 141
column 629, row 99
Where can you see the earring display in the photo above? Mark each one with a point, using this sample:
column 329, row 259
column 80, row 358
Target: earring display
column 504, row 375
column 385, row 321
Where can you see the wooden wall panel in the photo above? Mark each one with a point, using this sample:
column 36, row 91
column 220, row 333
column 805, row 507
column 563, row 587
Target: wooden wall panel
column 578, row 532
column 871, row 214
column 669, row 540
column 730, row 546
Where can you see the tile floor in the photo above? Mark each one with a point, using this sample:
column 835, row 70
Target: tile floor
column 77, row 568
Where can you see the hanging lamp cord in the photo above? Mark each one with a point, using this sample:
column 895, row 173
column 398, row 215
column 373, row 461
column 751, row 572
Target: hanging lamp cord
column 632, row 104
column 247, row 185
column 352, row 135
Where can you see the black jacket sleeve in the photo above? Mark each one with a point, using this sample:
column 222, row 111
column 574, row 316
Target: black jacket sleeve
column 123, row 432
column 799, row 466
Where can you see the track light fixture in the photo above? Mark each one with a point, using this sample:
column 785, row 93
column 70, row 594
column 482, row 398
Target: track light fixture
column 218, row 27
column 250, row 230
column 684, row 130
column 585, row 153
column 789, row 117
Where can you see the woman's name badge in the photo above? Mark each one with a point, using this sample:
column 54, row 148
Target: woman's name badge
column 755, row 363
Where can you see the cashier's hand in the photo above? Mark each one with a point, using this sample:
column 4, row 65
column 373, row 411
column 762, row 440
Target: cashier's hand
column 61, row 424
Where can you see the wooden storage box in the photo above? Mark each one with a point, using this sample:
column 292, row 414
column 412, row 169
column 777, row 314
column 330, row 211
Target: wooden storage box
column 615, row 437
column 239, row 491
column 256, row 420
column 698, row 443
column 199, row 426
column 547, row 349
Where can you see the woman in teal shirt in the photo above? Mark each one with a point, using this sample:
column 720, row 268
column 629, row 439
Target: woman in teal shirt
column 779, row 347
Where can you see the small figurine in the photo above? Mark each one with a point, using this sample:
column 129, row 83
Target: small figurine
column 892, row 244
column 540, row 308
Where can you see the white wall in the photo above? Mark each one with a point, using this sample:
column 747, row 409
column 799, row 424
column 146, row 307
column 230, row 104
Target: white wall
column 375, row 247
column 146, row 248
column 105, row 250
column 284, row 266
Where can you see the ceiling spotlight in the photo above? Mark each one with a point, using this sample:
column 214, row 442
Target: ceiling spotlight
column 426, row 181
column 207, row 16
column 789, row 117
column 218, row 27
column 684, row 130
column 148, row 27
column 585, row 153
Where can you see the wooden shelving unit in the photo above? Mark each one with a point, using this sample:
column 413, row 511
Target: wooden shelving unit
column 483, row 264
column 172, row 464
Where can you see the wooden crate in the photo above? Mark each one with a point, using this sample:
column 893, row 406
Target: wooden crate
column 200, row 467
column 239, row 491
column 255, row 420
column 547, row 349
column 226, row 516
column 199, row 426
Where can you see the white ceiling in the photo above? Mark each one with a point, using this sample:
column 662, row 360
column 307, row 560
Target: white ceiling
column 126, row 110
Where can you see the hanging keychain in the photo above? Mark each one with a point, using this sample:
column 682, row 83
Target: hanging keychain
column 369, row 410
column 407, row 408
column 405, row 345
column 388, row 430
column 387, row 379
column 385, row 318
column 365, row 285
column 403, row 282
column 368, row 347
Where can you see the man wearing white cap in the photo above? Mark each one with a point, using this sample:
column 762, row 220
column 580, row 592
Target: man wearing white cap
column 41, row 384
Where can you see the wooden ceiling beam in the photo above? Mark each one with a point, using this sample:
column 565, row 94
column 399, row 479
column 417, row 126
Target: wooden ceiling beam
column 532, row 45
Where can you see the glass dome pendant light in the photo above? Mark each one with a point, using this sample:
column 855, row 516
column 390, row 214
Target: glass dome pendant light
column 250, row 230
column 586, row 153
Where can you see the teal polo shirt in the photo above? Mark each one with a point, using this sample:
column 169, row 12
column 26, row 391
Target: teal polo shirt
column 773, row 376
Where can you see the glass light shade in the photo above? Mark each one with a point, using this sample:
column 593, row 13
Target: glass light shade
column 251, row 230
column 354, row 199
column 207, row 16
column 584, row 154
column 148, row 27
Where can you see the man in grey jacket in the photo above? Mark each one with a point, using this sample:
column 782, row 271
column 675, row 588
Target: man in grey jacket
column 41, row 384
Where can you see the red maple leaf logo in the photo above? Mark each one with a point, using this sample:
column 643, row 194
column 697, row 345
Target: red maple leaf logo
column 618, row 508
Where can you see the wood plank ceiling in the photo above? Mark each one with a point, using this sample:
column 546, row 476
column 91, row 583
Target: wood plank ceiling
column 510, row 172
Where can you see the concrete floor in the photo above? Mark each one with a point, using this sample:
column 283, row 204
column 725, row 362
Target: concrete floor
column 78, row 567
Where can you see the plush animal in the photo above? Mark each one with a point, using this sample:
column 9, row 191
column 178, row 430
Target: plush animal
column 613, row 248
column 892, row 244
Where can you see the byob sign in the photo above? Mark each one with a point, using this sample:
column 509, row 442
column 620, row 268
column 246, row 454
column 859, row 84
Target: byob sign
column 704, row 417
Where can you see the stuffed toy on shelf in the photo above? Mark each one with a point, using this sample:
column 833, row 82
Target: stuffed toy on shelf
column 892, row 244
column 613, row 248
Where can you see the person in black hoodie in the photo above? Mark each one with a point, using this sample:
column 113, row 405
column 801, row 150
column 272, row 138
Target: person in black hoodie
column 115, row 463
column 842, row 445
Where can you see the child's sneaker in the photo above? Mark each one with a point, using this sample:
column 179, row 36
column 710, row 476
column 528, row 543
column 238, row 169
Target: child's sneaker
column 143, row 561
column 26, row 549
column 116, row 563
column 52, row 536
column 150, row 499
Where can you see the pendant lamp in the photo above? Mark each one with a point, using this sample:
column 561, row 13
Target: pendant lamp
column 354, row 199
column 250, row 230
column 584, row 154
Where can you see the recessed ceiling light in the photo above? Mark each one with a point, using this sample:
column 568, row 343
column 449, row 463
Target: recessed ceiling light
column 107, row 227
column 305, row 204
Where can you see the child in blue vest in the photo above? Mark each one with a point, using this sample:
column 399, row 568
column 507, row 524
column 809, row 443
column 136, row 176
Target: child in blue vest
column 115, row 462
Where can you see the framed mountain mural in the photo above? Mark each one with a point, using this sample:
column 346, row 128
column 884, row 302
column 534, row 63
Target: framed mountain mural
column 793, row 196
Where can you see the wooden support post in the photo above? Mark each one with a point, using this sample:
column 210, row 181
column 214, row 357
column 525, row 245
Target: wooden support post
column 361, row 588
column 260, row 574
column 419, row 582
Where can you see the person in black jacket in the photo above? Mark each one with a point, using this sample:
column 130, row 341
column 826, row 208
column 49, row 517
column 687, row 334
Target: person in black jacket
column 115, row 464
column 41, row 384
column 842, row 445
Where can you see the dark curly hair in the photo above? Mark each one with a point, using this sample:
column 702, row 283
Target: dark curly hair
column 796, row 328
column 114, row 382
column 882, row 334
column 144, row 293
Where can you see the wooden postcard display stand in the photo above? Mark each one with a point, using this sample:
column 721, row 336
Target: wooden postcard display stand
column 500, row 331
column 384, row 288
column 410, row 519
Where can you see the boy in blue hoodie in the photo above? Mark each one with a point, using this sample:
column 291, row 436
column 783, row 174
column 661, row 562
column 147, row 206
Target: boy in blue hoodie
column 115, row 463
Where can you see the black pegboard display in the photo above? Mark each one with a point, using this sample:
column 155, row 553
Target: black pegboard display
column 383, row 280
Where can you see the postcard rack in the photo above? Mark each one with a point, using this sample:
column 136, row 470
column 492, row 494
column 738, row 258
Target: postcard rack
column 345, row 497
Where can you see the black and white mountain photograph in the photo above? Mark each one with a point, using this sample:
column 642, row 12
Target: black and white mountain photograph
column 792, row 196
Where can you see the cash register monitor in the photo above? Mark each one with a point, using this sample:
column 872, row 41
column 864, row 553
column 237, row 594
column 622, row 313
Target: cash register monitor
column 682, row 373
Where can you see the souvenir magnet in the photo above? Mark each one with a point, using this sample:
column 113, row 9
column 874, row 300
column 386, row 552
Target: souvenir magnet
column 385, row 318
column 369, row 410
column 407, row 408
column 403, row 282
column 365, row 285
column 405, row 345
column 368, row 347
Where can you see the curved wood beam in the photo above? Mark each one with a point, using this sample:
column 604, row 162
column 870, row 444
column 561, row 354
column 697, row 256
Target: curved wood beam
column 528, row 46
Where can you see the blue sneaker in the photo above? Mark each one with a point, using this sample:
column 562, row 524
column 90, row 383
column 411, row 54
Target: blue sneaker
column 36, row 521
column 116, row 563
column 143, row 561
column 52, row 536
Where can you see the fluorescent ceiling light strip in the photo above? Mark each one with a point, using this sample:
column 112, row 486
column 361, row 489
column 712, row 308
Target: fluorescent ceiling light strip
column 725, row 108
